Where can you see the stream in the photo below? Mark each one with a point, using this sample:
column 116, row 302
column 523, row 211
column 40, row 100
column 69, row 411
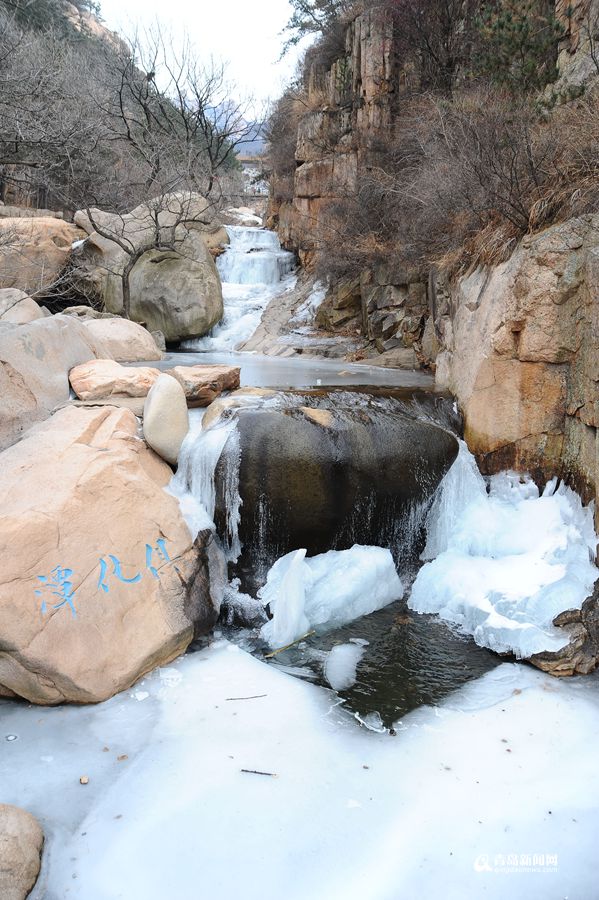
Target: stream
column 386, row 752
column 405, row 660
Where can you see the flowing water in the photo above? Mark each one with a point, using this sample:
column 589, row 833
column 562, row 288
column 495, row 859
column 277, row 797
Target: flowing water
column 253, row 269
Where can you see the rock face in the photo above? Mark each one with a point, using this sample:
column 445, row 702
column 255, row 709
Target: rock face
column 99, row 581
column 35, row 360
column 333, row 476
column 101, row 379
column 35, row 251
column 575, row 63
column 349, row 104
column 203, row 384
column 21, row 842
column 166, row 420
column 124, row 340
column 174, row 285
column 18, row 308
column 519, row 349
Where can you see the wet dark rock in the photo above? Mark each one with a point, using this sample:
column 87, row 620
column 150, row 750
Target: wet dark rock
column 330, row 478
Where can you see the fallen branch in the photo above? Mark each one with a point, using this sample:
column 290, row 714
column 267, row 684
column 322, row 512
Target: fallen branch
column 256, row 772
column 287, row 646
column 254, row 697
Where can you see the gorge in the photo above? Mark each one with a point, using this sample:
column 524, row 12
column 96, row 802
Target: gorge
column 299, row 588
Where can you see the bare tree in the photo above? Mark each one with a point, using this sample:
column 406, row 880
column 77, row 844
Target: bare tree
column 176, row 116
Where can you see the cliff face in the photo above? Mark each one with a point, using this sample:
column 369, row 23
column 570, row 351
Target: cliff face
column 348, row 107
column 517, row 344
column 520, row 351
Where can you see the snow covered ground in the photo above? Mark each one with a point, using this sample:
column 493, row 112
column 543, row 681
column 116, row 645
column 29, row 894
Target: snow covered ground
column 495, row 794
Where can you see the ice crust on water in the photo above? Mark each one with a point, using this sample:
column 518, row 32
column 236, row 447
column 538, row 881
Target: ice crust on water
column 427, row 806
column 341, row 664
column 506, row 561
column 326, row 591
column 253, row 270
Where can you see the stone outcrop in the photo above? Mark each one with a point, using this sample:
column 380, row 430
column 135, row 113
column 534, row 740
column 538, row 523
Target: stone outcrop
column 125, row 341
column 203, row 384
column 35, row 360
column 34, row 251
column 17, row 307
column 329, row 476
column 166, row 420
column 21, row 842
column 163, row 245
column 347, row 107
column 100, row 581
column 101, row 379
column 519, row 349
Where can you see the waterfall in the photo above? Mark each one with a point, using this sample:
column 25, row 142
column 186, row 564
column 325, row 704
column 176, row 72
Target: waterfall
column 253, row 269
column 195, row 484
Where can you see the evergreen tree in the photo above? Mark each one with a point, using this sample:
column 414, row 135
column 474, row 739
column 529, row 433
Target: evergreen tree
column 518, row 44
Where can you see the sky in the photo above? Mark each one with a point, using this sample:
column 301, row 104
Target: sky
column 246, row 35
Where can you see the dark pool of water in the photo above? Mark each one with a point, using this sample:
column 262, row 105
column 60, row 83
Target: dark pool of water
column 411, row 660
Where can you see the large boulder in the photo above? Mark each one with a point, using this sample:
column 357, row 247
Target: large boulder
column 21, row 842
column 34, row 251
column 101, row 379
column 332, row 472
column 125, row 341
column 35, row 360
column 166, row 420
column 17, row 307
column 519, row 349
column 203, row 384
column 100, row 580
column 174, row 284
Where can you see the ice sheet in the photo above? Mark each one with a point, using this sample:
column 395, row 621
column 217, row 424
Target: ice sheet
column 506, row 769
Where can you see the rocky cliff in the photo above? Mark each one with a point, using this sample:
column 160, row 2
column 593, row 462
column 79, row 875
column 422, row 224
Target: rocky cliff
column 520, row 349
column 518, row 343
column 348, row 106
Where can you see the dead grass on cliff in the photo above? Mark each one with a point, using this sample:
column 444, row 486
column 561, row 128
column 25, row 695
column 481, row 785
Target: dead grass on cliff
column 459, row 182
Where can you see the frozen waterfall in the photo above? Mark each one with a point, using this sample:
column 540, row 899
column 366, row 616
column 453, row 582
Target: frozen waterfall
column 506, row 559
column 253, row 269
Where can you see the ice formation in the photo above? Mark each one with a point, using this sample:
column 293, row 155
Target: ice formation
column 253, row 270
column 305, row 314
column 506, row 561
column 342, row 662
column 194, row 484
column 326, row 591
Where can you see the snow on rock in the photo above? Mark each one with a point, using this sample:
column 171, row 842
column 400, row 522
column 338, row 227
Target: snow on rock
column 306, row 312
column 506, row 768
column 506, row 562
column 326, row 591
